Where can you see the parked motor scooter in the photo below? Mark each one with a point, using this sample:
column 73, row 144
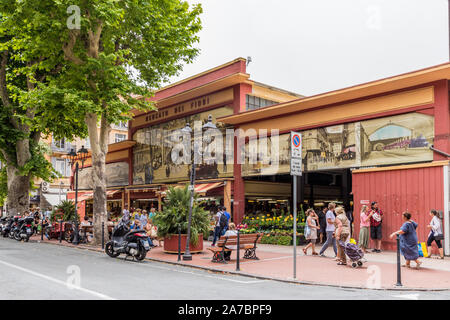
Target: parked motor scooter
column 24, row 230
column 133, row 243
column 14, row 226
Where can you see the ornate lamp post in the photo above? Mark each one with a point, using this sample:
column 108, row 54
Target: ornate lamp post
column 74, row 158
column 209, row 125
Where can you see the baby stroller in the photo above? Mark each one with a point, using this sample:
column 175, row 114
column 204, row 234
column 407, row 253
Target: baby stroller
column 353, row 252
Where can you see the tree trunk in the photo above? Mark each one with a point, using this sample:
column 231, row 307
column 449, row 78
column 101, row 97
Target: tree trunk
column 18, row 192
column 99, row 149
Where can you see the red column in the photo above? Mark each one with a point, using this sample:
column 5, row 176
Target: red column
column 239, row 188
column 441, row 119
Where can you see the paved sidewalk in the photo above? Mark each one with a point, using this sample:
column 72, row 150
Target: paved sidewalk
column 276, row 262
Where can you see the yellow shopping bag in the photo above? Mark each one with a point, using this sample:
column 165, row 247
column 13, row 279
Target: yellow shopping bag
column 423, row 251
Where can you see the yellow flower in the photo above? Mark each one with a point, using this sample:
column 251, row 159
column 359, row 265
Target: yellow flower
column 257, row 218
column 253, row 218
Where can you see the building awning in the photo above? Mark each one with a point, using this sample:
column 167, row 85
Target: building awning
column 202, row 188
column 54, row 199
column 90, row 195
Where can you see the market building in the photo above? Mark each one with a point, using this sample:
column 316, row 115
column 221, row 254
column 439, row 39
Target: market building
column 140, row 169
column 386, row 141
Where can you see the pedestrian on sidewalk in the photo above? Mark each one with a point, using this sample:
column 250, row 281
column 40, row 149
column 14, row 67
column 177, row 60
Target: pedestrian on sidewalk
column 224, row 227
column 330, row 217
column 217, row 228
column 364, row 228
column 312, row 221
column 375, row 226
column 342, row 234
column 435, row 234
column 408, row 240
column 323, row 225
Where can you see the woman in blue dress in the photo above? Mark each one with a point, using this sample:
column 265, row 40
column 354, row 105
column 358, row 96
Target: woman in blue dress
column 408, row 240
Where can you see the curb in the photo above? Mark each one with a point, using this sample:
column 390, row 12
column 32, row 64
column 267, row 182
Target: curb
column 249, row 275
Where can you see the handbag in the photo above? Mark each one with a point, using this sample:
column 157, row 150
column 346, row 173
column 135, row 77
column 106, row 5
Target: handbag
column 439, row 237
column 307, row 230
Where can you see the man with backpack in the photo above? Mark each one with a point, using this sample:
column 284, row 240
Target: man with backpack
column 221, row 224
column 224, row 221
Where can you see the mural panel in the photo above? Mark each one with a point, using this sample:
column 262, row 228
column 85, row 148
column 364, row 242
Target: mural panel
column 152, row 161
column 384, row 141
column 116, row 175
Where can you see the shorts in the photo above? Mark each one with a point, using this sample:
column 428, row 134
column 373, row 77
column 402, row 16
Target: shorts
column 375, row 232
column 431, row 239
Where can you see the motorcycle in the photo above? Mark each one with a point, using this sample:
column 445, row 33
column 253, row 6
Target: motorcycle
column 133, row 243
column 3, row 224
column 14, row 226
column 24, row 229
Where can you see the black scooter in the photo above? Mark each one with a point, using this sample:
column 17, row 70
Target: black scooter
column 24, row 229
column 13, row 226
column 133, row 243
column 3, row 224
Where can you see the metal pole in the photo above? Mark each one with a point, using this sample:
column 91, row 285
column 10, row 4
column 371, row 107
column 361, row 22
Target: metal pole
column 42, row 229
column 75, row 237
column 60, row 230
column 295, row 227
column 237, row 251
column 103, row 235
column 187, row 254
column 399, row 273
column 179, row 243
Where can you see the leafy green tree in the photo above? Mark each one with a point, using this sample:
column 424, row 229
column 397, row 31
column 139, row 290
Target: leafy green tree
column 24, row 117
column 116, row 53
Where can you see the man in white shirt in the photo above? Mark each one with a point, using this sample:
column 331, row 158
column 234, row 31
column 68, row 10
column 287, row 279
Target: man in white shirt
column 330, row 217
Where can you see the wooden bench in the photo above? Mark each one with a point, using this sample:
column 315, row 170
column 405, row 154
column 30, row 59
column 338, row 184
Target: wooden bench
column 246, row 241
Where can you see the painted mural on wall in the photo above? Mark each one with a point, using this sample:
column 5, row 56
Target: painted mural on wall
column 391, row 140
column 329, row 148
column 397, row 139
column 152, row 161
column 276, row 160
column 116, row 175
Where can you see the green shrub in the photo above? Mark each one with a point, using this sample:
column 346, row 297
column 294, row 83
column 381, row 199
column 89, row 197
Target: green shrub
column 284, row 240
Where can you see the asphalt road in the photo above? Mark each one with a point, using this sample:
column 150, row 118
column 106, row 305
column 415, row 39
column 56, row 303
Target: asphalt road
column 44, row 271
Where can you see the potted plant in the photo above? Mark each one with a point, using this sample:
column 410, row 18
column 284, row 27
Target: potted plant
column 176, row 214
column 67, row 208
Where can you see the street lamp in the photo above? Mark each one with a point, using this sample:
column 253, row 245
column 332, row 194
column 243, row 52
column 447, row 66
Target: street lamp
column 209, row 125
column 74, row 158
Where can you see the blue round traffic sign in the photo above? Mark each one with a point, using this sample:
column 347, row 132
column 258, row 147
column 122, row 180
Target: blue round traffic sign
column 296, row 140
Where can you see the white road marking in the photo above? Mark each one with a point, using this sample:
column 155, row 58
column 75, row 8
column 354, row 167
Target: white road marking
column 201, row 275
column 43, row 276
column 413, row 296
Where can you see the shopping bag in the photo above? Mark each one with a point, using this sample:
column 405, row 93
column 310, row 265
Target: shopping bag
column 419, row 247
column 424, row 249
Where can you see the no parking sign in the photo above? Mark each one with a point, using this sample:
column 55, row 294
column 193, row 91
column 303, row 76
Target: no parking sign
column 296, row 153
